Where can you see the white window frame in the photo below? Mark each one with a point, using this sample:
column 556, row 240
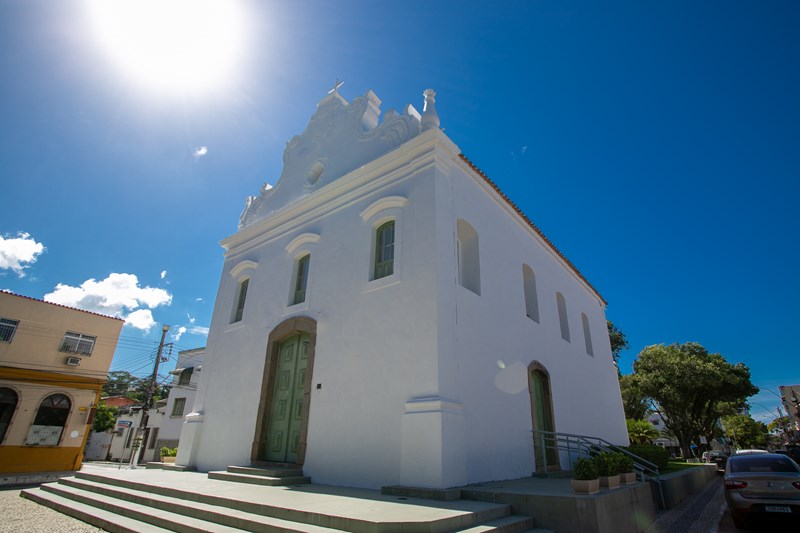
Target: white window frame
column 72, row 341
column 241, row 273
column 303, row 245
column 386, row 209
column 175, row 404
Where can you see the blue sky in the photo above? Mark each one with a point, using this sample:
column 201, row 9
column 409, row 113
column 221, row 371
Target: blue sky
column 655, row 143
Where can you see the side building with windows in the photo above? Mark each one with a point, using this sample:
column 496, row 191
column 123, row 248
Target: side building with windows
column 54, row 361
column 166, row 421
column 387, row 316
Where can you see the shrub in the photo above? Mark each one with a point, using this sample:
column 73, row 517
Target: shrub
column 168, row 452
column 625, row 463
column 650, row 452
column 585, row 469
column 607, row 464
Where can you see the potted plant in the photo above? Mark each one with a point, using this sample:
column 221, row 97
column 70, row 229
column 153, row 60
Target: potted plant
column 168, row 454
column 608, row 469
column 585, row 477
column 626, row 473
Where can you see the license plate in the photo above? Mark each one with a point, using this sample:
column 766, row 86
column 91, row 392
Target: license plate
column 777, row 509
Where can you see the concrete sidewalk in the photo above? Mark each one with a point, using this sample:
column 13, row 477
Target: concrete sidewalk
column 700, row 513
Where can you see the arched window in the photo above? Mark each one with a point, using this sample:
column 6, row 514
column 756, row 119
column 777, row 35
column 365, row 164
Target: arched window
column 384, row 250
column 8, row 404
column 301, row 279
column 469, row 264
column 587, row 335
column 531, row 298
column 562, row 316
column 50, row 421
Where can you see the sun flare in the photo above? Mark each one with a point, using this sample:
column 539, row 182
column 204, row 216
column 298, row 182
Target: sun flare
column 179, row 45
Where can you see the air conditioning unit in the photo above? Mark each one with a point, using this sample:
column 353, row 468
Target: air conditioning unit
column 73, row 361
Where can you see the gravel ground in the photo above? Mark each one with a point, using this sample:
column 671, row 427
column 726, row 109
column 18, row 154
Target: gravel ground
column 21, row 515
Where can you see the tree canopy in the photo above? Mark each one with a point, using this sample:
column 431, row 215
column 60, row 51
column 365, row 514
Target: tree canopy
column 745, row 432
column 635, row 404
column 691, row 388
column 104, row 418
column 618, row 341
column 123, row 383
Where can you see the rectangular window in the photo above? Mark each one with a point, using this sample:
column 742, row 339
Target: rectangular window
column 153, row 438
column 7, row 329
column 302, row 279
column 237, row 316
column 77, row 343
column 384, row 250
column 177, row 408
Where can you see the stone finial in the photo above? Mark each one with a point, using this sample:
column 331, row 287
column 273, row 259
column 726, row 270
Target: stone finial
column 430, row 119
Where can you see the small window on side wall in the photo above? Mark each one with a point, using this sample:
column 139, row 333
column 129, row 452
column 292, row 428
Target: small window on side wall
column 78, row 343
column 469, row 263
column 301, row 280
column 587, row 335
column 238, row 310
column 562, row 316
column 531, row 298
column 384, row 250
column 7, row 329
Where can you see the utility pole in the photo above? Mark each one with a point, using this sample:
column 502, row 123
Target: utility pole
column 143, row 434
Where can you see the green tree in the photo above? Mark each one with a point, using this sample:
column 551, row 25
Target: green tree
column 691, row 388
column 123, row 383
column 104, row 418
column 641, row 431
column 745, row 432
column 782, row 424
column 618, row 342
column 634, row 402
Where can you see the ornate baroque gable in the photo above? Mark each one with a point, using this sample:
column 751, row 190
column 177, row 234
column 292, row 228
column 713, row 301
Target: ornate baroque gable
column 339, row 138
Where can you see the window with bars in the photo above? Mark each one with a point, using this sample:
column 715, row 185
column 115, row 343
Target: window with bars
column 301, row 280
column 7, row 329
column 78, row 343
column 178, row 406
column 384, row 250
column 239, row 309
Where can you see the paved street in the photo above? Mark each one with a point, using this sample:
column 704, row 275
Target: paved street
column 23, row 516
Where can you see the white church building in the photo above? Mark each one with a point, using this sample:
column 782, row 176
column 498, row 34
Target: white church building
column 387, row 316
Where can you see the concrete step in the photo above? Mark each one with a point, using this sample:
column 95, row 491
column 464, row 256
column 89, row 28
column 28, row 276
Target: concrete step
column 91, row 515
column 305, row 507
column 507, row 524
column 267, row 471
column 223, row 516
column 259, row 479
column 168, row 520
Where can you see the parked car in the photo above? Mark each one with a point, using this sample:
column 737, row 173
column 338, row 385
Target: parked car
column 749, row 452
column 762, row 484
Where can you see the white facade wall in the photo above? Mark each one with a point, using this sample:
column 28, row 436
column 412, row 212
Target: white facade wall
column 416, row 380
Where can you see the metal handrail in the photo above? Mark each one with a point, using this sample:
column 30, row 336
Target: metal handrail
column 587, row 446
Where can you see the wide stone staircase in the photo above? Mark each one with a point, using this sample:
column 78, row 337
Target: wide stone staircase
column 258, row 499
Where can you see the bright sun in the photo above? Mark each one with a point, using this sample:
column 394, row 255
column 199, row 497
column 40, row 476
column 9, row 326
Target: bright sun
column 185, row 46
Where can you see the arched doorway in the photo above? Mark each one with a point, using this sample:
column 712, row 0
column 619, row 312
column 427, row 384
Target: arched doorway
column 8, row 404
column 50, row 421
column 542, row 419
column 282, row 423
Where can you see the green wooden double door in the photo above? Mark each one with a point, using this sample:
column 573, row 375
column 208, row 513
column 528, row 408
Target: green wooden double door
column 286, row 414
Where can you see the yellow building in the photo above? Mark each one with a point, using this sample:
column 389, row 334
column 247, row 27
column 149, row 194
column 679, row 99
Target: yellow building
column 54, row 361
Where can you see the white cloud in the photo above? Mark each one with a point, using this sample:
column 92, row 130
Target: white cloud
column 191, row 318
column 141, row 319
column 524, row 149
column 200, row 152
column 20, row 252
column 118, row 295
column 198, row 299
column 199, row 330
column 177, row 336
column 163, row 274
